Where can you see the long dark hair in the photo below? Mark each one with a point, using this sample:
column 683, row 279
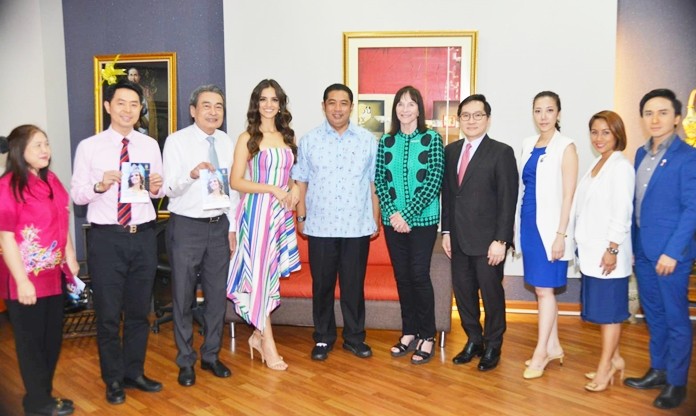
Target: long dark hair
column 553, row 96
column 282, row 119
column 415, row 96
column 17, row 166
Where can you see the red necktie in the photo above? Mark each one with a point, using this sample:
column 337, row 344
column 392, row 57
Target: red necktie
column 124, row 210
column 464, row 163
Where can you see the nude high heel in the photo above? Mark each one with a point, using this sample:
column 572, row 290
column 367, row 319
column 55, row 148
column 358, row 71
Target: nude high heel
column 531, row 373
column 278, row 364
column 596, row 387
column 620, row 365
column 558, row 357
column 255, row 344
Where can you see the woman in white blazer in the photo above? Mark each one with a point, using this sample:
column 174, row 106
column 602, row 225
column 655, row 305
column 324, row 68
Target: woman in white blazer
column 548, row 172
column 602, row 212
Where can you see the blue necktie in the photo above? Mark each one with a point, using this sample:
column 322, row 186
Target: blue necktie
column 212, row 154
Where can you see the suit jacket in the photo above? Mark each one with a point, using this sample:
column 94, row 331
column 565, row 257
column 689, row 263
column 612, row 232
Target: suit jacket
column 668, row 210
column 602, row 211
column 482, row 209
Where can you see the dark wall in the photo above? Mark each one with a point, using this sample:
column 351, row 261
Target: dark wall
column 191, row 28
column 655, row 47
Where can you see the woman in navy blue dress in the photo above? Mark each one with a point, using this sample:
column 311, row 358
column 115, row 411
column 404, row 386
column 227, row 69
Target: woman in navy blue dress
column 549, row 170
column 602, row 212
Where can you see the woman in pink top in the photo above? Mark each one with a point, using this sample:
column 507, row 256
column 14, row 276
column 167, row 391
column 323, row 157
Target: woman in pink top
column 36, row 248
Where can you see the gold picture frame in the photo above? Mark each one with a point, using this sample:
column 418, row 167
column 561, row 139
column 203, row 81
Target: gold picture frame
column 157, row 76
column 441, row 65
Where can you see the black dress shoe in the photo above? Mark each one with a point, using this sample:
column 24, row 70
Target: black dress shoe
column 361, row 350
column 320, row 352
column 490, row 359
column 142, row 383
column 187, row 377
column 66, row 402
column 115, row 393
column 217, row 368
column 653, row 379
column 53, row 409
column 470, row 351
column 670, row 397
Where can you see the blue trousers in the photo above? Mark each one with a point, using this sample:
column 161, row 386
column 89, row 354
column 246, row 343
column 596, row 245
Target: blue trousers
column 665, row 302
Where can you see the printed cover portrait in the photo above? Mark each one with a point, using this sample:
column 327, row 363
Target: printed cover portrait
column 135, row 182
column 216, row 192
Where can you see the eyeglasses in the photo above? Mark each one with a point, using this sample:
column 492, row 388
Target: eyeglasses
column 475, row 116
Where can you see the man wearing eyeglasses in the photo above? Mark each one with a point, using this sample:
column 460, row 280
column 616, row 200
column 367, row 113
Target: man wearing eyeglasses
column 479, row 196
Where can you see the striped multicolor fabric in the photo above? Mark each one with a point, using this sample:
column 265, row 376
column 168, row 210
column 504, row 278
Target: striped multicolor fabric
column 266, row 241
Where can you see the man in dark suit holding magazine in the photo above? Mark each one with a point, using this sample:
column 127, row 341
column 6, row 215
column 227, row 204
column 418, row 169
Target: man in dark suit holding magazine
column 479, row 196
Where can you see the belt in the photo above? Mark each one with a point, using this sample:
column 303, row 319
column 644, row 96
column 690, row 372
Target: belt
column 130, row 229
column 207, row 220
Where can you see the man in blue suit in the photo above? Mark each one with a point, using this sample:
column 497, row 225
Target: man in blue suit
column 664, row 246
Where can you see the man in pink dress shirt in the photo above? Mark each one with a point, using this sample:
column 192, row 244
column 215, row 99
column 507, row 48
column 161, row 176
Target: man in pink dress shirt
column 121, row 244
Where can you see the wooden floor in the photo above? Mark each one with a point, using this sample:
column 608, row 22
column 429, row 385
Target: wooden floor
column 346, row 385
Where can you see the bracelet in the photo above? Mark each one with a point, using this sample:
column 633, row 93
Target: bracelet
column 612, row 250
column 560, row 233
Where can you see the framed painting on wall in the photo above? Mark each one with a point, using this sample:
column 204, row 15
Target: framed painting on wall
column 441, row 65
column 156, row 75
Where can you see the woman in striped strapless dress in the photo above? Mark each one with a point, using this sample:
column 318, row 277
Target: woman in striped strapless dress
column 266, row 240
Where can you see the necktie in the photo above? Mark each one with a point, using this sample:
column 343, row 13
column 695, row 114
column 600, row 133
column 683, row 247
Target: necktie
column 212, row 154
column 464, row 163
column 124, row 210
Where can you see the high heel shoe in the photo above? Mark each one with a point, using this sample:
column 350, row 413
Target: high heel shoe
column 255, row 344
column 597, row 387
column 423, row 356
column 558, row 357
column 531, row 373
column 620, row 365
column 277, row 362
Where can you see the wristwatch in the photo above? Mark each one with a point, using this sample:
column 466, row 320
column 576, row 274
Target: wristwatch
column 612, row 250
column 98, row 189
column 301, row 218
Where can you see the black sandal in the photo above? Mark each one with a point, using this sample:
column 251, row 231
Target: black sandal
column 424, row 356
column 403, row 348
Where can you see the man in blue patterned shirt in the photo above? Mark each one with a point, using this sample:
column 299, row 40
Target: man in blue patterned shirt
column 339, row 213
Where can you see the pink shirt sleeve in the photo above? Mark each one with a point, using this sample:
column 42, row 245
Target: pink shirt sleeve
column 81, row 185
column 8, row 206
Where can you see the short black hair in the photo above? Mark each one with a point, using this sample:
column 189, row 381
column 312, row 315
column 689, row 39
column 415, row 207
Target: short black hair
column 338, row 87
column 123, row 83
column 475, row 97
column 662, row 93
column 193, row 100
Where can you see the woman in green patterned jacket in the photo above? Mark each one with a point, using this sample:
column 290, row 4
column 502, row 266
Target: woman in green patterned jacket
column 410, row 162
